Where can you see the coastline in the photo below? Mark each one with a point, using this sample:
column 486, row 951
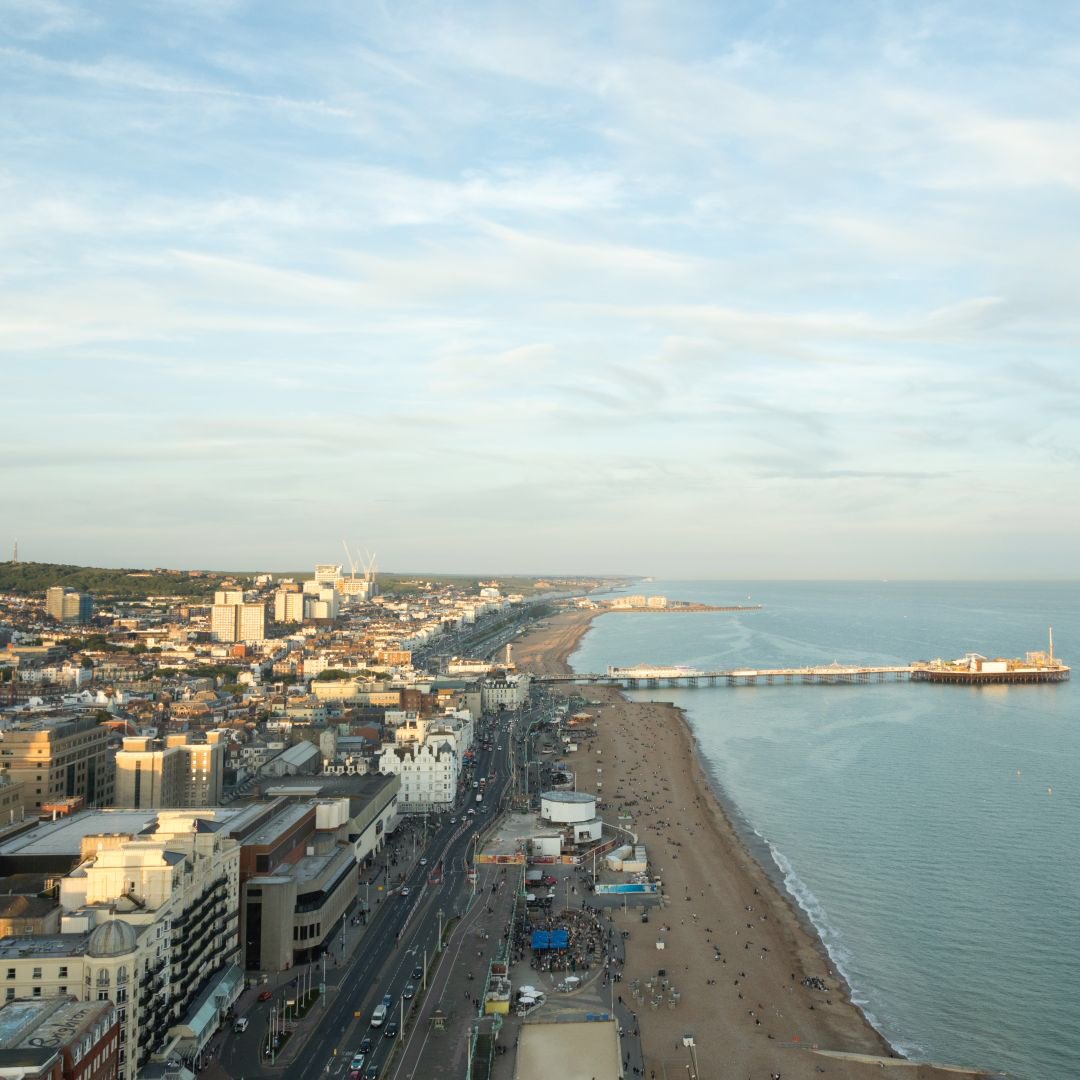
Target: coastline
column 649, row 748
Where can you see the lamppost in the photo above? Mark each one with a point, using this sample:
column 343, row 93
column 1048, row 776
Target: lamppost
column 688, row 1042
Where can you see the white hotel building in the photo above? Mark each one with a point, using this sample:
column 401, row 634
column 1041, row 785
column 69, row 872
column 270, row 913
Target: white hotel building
column 426, row 755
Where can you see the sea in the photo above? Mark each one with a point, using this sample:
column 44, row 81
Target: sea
column 931, row 834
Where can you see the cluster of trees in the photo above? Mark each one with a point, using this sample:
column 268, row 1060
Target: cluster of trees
column 28, row 578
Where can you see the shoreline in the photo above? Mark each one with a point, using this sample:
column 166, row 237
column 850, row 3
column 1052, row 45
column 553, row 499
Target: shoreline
column 722, row 857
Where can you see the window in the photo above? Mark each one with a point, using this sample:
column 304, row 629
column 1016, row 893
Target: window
column 11, row 973
column 37, row 973
column 62, row 973
column 10, row 995
column 62, row 990
column 37, row 991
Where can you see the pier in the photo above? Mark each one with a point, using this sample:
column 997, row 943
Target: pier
column 829, row 674
column 648, row 678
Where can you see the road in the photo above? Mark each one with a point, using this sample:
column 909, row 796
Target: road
column 401, row 931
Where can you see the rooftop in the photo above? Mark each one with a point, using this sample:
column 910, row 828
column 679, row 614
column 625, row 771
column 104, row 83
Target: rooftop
column 285, row 819
column 51, row 1021
column 65, row 836
column 47, row 946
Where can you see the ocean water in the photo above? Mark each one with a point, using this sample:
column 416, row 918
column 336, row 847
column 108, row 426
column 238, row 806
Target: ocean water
column 930, row 833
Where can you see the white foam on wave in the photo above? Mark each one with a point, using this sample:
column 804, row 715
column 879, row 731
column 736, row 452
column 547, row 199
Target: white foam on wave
column 831, row 939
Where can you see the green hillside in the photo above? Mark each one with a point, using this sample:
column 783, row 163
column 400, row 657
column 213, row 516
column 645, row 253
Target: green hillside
column 30, row 578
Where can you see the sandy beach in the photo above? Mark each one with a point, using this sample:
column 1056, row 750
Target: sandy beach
column 734, row 945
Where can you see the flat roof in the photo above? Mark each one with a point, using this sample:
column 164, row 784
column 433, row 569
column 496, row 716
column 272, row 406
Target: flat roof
column 283, row 820
column 65, row 835
column 574, row 1050
column 47, row 946
column 568, row 796
column 52, row 1021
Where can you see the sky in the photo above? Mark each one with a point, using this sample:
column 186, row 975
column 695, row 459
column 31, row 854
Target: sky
column 720, row 289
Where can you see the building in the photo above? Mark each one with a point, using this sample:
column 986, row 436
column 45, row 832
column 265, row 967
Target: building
column 429, row 774
column 289, row 605
column 11, row 802
column 170, row 772
column 28, row 905
column 68, row 606
column 302, row 888
column 165, row 907
column 59, row 1037
column 298, row 866
column 237, row 622
column 302, row 759
column 327, row 574
column 150, row 916
column 58, row 758
column 499, row 693
column 320, row 601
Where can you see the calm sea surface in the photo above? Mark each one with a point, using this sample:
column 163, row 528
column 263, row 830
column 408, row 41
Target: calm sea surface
column 931, row 833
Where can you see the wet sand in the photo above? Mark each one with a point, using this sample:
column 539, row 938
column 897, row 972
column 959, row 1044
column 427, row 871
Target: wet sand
column 735, row 947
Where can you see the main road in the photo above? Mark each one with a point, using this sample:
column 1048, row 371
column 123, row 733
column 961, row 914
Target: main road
column 401, row 932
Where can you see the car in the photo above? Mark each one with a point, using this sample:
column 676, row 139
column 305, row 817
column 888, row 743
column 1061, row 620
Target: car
column 418, row 972
column 357, row 1062
column 240, row 1025
column 391, row 1030
column 453, row 821
column 423, row 862
column 472, row 812
column 365, row 1045
column 265, row 995
column 405, row 890
column 372, row 1072
column 547, row 879
column 409, row 992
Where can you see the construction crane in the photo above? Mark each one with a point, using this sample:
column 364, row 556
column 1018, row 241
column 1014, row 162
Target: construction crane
column 352, row 564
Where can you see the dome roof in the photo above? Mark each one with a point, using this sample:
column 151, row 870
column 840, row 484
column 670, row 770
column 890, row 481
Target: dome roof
column 112, row 938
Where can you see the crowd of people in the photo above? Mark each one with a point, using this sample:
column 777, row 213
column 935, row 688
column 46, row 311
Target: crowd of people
column 589, row 938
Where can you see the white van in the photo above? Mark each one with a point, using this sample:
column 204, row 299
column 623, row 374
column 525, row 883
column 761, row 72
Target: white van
column 240, row 1024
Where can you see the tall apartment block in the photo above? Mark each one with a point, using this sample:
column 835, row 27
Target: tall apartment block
column 233, row 620
column 57, row 759
column 68, row 606
column 170, row 772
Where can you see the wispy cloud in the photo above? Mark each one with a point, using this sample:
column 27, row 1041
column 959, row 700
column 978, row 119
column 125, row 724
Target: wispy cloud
column 628, row 257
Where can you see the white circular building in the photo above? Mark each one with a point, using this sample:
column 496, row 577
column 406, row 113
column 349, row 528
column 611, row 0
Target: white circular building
column 567, row 807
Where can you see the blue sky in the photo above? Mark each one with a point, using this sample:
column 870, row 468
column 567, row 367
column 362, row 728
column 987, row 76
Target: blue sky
column 717, row 289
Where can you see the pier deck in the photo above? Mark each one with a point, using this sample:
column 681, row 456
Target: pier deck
column 829, row 674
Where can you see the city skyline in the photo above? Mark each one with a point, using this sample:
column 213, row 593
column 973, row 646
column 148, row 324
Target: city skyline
column 763, row 292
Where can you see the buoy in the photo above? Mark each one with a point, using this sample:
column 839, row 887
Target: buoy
column 1049, row 791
